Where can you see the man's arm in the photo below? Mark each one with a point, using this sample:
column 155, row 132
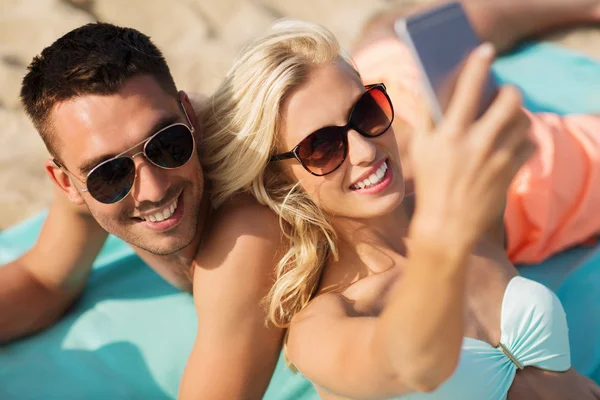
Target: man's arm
column 504, row 23
column 235, row 351
column 37, row 288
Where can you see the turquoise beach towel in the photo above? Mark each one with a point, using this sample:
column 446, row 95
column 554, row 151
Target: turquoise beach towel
column 130, row 334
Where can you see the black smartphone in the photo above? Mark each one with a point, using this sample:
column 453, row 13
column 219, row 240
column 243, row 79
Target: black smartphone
column 441, row 39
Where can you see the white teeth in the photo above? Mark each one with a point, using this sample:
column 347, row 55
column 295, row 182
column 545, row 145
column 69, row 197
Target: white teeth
column 374, row 178
column 163, row 214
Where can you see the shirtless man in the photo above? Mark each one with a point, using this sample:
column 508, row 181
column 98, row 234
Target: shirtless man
column 123, row 142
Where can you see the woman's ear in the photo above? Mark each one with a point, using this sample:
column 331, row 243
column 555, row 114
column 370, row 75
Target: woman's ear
column 60, row 178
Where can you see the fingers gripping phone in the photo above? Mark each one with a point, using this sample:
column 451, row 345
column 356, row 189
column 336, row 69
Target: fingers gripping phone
column 441, row 39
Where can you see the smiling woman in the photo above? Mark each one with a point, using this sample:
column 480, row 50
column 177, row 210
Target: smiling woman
column 372, row 278
column 325, row 150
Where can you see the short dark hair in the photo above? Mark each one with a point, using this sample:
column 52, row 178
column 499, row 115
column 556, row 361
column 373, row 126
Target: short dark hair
column 96, row 58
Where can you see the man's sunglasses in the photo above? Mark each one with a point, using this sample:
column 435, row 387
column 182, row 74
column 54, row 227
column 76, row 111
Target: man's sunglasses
column 324, row 150
column 111, row 181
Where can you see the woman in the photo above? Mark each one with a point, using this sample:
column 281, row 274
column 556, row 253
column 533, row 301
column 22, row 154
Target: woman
column 380, row 291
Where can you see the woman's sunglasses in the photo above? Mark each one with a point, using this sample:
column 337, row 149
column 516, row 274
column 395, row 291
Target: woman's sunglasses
column 324, row 150
column 111, row 181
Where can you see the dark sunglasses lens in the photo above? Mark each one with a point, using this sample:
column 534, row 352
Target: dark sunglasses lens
column 171, row 148
column 373, row 113
column 323, row 151
column 111, row 181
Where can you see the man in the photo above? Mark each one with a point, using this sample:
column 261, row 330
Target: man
column 123, row 143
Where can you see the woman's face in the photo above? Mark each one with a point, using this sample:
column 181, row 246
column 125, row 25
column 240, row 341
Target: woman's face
column 369, row 182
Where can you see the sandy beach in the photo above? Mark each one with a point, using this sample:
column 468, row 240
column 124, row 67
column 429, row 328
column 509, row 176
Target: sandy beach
column 198, row 37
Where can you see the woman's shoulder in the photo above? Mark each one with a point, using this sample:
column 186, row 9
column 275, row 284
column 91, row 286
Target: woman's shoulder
column 241, row 233
column 327, row 305
column 361, row 296
column 245, row 213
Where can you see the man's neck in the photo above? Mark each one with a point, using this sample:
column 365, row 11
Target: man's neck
column 177, row 268
column 188, row 253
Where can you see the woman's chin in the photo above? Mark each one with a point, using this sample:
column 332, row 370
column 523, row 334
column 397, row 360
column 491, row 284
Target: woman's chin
column 371, row 208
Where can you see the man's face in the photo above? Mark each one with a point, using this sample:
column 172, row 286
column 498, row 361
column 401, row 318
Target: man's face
column 95, row 127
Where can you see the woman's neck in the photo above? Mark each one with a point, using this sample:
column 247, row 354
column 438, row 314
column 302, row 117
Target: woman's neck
column 375, row 242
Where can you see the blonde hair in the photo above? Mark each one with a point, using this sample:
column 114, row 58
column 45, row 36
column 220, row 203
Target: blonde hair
column 242, row 127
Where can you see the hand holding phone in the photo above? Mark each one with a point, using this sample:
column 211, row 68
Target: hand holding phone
column 463, row 167
column 441, row 39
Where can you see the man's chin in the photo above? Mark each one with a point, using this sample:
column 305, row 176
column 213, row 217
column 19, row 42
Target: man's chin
column 165, row 250
column 158, row 243
column 166, row 243
column 162, row 247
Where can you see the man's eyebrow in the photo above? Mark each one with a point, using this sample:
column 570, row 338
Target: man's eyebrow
column 162, row 123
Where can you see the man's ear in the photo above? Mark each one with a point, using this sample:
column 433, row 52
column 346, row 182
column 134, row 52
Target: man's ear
column 193, row 105
column 63, row 181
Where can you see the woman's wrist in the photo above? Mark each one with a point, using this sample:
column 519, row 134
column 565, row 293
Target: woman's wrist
column 441, row 237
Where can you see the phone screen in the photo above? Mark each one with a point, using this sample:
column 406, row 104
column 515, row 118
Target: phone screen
column 441, row 39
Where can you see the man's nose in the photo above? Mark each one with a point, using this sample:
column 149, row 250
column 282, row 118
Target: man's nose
column 151, row 183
